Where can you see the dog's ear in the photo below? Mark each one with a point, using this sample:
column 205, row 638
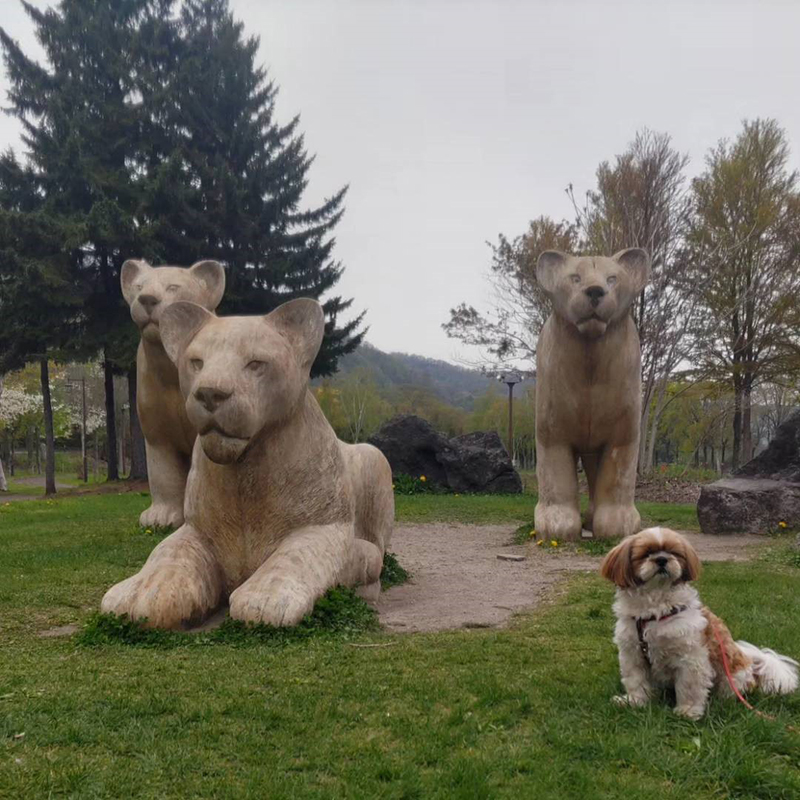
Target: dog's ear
column 618, row 567
column 693, row 567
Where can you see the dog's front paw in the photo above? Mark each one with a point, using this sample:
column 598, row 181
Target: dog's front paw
column 690, row 712
column 631, row 700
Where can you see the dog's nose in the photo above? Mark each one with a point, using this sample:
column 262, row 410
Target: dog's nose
column 661, row 561
column 149, row 301
column 595, row 293
column 211, row 397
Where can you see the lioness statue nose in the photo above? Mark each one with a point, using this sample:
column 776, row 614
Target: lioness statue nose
column 596, row 293
column 149, row 301
column 210, row 397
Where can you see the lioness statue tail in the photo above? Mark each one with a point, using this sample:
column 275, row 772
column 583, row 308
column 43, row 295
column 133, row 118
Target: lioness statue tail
column 277, row 509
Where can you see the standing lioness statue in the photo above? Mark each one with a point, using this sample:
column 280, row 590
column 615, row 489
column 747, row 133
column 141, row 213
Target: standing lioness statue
column 277, row 509
column 168, row 434
column 588, row 392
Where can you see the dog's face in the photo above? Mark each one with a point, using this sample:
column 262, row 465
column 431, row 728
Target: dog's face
column 654, row 556
column 593, row 291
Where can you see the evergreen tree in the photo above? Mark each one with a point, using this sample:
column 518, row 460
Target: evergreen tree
column 233, row 185
column 85, row 120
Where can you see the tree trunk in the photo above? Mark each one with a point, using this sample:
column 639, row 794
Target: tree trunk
column 111, row 422
column 3, row 484
column 737, row 428
column 50, row 445
column 138, row 454
column 747, row 427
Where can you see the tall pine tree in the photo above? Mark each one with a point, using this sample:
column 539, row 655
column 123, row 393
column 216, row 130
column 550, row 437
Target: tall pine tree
column 85, row 120
column 232, row 188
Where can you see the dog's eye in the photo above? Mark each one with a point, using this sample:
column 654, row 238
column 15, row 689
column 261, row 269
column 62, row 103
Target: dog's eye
column 612, row 279
column 196, row 364
column 256, row 366
column 575, row 278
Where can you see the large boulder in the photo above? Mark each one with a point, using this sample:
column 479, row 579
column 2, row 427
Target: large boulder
column 475, row 462
column 478, row 462
column 762, row 493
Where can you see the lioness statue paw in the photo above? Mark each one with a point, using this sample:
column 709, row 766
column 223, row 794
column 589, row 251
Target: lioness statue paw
column 279, row 602
column 168, row 597
column 557, row 521
column 161, row 515
column 615, row 521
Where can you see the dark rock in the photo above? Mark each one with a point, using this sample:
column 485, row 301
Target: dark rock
column 413, row 447
column 748, row 505
column 762, row 493
column 781, row 458
column 478, row 462
column 475, row 462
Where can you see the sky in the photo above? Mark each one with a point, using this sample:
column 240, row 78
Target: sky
column 454, row 121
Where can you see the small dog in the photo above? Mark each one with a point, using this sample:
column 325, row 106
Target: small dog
column 667, row 637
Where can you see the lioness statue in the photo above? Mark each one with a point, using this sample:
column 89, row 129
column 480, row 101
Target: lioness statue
column 277, row 509
column 588, row 392
column 168, row 434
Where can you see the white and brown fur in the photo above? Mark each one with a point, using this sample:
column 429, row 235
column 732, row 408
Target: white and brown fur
column 652, row 571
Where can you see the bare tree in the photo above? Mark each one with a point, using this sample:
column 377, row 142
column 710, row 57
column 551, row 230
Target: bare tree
column 642, row 200
column 3, row 484
column 744, row 252
column 509, row 330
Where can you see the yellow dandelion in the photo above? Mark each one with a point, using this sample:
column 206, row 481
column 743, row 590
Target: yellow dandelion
column 457, row 494
column 540, row 543
column 393, row 486
column 553, row 543
column 781, row 524
column 423, row 478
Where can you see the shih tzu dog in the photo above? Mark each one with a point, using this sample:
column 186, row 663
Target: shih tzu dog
column 667, row 637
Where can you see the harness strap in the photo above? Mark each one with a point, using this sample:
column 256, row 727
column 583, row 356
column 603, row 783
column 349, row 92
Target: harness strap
column 641, row 624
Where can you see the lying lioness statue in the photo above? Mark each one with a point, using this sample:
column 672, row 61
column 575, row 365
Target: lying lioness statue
column 168, row 434
column 277, row 509
column 588, row 392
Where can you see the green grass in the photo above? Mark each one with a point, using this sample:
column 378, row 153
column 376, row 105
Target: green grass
column 517, row 713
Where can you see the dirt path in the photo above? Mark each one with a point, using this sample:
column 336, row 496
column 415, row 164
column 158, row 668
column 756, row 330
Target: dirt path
column 458, row 581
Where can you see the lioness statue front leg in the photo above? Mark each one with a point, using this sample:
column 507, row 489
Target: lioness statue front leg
column 167, row 471
column 300, row 570
column 179, row 585
column 615, row 487
column 557, row 513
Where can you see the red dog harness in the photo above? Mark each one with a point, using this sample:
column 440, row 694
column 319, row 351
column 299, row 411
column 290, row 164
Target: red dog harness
column 641, row 624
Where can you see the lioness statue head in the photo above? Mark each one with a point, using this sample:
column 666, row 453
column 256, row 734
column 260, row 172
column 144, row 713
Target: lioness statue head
column 241, row 375
column 149, row 290
column 593, row 291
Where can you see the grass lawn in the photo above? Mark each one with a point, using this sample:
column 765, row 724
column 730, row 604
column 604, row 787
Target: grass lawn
column 517, row 713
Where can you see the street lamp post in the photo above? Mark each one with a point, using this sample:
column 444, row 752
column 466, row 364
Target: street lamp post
column 510, row 379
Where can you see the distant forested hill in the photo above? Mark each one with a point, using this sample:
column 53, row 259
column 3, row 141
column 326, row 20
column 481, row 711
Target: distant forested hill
column 457, row 386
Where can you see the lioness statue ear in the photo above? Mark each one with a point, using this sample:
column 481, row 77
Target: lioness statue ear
column 637, row 264
column 547, row 267
column 212, row 275
column 130, row 271
column 302, row 322
column 179, row 324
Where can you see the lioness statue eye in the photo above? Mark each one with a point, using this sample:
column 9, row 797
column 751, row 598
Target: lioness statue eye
column 256, row 366
column 196, row 364
column 173, row 287
column 612, row 279
column 575, row 278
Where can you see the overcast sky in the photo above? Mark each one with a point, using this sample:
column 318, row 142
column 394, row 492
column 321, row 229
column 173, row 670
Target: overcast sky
column 455, row 121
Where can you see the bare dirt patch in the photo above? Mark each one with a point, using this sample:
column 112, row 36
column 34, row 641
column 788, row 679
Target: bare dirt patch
column 458, row 581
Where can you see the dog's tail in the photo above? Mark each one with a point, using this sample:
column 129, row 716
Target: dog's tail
column 774, row 673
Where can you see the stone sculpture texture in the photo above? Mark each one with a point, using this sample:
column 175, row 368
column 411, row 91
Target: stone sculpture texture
column 168, row 434
column 277, row 509
column 588, row 392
